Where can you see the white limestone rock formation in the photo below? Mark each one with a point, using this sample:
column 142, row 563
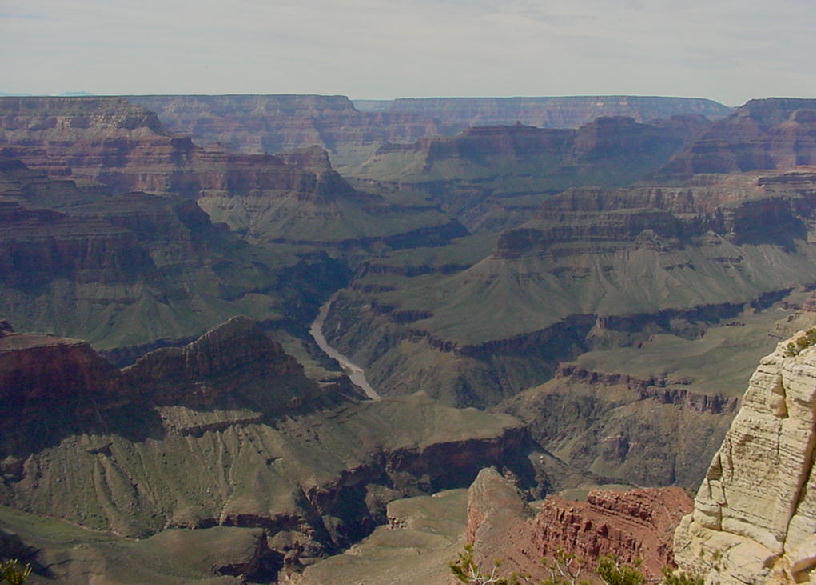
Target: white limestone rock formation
column 754, row 520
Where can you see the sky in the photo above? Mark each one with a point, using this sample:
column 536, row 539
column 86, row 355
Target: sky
column 727, row 50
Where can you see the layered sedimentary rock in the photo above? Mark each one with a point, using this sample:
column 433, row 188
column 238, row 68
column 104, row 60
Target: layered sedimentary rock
column 553, row 112
column 114, row 142
column 43, row 376
column 295, row 197
column 648, row 432
column 635, row 526
column 754, row 518
column 473, row 152
column 493, row 177
column 276, row 123
column 236, row 359
column 592, row 267
column 39, row 372
column 775, row 133
column 133, row 269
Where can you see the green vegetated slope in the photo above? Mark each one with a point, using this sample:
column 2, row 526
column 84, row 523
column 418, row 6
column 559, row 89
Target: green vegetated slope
column 190, row 477
column 225, row 432
column 713, row 363
column 500, row 298
column 70, row 554
column 592, row 268
column 324, row 221
column 429, row 528
column 653, row 413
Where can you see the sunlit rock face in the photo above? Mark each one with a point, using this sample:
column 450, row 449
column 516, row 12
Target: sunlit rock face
column 754, row 519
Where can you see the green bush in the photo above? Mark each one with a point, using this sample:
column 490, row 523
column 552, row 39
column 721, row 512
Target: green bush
column 796, row 346
column 615, row 572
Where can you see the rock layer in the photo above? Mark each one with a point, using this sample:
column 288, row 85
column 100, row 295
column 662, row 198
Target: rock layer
column 754, row 519
column 114, row 142
column 554, row 112
column 635, row 525
column 775, row 133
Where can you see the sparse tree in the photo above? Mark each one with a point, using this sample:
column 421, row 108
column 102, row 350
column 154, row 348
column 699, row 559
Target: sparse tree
column 565, row 569
column 615, row 572
column 467, row 571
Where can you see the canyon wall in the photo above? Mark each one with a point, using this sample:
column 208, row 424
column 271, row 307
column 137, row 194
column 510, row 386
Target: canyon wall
column 554, row 112
column 773, row 133
column 754, row 518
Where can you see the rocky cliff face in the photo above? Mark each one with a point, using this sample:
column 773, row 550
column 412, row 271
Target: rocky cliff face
column 40, row 372
column 754, row 518
column 294, row 197
column 591, row 268
column 230, row 366
column 633, row 525
column 114, row 142
column 227, row 366
column 553, row 112
column 96, row 260
column 619, row 146
column 277, row 123
column 772, row 133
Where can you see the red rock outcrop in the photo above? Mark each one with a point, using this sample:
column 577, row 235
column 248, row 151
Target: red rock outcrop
column 41, row 372
column 635, row 525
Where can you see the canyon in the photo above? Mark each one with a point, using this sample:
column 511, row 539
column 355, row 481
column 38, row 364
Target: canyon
column 277, row 336
column 224, row 432
column 351, row 132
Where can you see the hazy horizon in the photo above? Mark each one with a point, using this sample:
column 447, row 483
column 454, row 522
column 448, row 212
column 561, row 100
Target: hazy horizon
column 723, row 50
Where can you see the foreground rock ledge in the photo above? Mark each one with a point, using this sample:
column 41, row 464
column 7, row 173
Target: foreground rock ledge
column 754, row 520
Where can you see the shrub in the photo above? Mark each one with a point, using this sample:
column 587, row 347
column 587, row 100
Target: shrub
column 796, row 346
column 679, row 578
column 14, row 573
column 614, row 572
column 467, row 571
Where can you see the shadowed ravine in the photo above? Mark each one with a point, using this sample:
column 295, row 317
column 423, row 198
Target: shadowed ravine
column 355, row 372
